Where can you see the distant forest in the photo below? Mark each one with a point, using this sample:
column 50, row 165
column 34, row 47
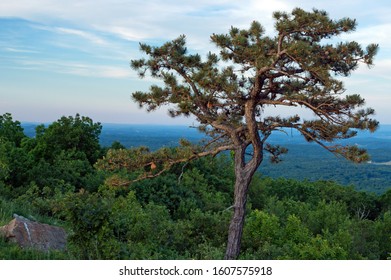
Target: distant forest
column 50, row 173
column 304, row 161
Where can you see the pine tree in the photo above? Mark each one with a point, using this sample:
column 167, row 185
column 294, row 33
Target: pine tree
column 229, row 93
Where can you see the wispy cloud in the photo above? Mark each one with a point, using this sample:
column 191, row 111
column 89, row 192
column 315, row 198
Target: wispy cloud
column 76, row 68
column 96, row 38
column 378, row 33
column 76, row 36
column 83, row 34
column 380, row 70
column 18, row 50
column 100, row 71
column 135, row 20
column 151, row 20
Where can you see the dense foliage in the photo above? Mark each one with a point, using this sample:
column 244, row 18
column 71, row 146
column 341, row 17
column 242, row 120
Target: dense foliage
column 183, row 214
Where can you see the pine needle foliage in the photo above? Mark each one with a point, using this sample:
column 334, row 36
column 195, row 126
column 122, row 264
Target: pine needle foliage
column 229, row 92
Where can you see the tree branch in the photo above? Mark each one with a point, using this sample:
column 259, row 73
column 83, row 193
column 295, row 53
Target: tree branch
column 149, row 175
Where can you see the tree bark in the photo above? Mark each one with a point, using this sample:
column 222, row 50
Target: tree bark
column 244, row 173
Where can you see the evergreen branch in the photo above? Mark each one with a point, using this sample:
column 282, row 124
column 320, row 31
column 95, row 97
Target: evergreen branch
column 167, row 166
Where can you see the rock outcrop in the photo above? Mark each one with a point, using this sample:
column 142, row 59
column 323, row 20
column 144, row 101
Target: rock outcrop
column 29, row 234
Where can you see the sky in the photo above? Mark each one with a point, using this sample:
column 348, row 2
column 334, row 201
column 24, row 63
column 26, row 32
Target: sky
column 59, row 58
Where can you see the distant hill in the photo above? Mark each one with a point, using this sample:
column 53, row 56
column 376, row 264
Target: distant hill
column 304, row 160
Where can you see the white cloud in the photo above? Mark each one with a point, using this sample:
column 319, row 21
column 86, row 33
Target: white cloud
column 101, row 71
column 382, row 69
column 127, row 33
column 376, row 74
column 96, row 36
column 18, row 50
column 151, row 19
column 76, row 68
column 136, row 20
column 89, row 37
column 378, row 34
column 83, row 34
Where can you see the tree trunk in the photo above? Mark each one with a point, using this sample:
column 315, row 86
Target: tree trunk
column 244, row 174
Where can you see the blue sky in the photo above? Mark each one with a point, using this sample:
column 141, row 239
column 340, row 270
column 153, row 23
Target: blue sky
column 66, row 57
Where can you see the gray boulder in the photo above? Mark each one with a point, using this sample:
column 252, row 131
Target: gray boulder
column 30, row 234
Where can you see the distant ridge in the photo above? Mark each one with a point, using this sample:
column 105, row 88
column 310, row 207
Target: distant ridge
column 155, row 136
column 304, row 161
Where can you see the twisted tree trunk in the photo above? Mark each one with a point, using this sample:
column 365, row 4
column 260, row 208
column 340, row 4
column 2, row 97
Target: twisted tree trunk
column 244, row 173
